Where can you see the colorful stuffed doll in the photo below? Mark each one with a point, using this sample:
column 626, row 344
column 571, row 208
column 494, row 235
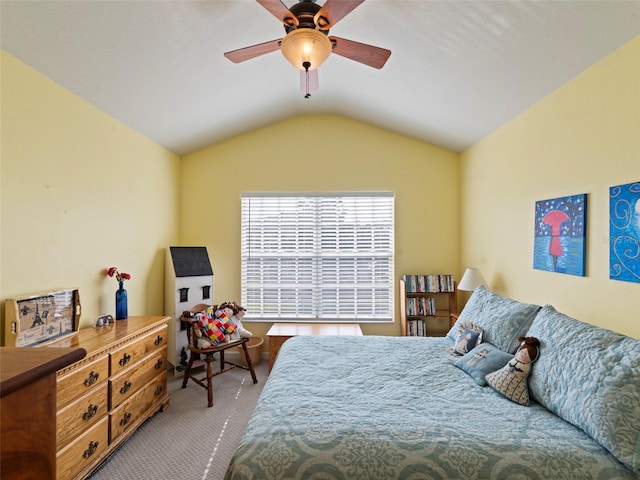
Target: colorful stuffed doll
column 209, row 328
column 235, row 312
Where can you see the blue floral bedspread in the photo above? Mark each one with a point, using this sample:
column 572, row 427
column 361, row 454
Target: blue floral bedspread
column 397, row 408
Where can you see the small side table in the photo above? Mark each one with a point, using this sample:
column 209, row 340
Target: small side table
column 281, row 332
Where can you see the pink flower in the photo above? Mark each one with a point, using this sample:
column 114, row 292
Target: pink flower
column 120, row 277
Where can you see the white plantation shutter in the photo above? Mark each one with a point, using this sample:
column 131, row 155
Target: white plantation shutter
column 317, row 256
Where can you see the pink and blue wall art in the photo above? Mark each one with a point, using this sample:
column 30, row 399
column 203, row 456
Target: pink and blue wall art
column 560, row 235
column 624, row 232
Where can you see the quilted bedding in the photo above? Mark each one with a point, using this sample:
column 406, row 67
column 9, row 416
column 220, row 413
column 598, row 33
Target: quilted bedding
column 397, row 408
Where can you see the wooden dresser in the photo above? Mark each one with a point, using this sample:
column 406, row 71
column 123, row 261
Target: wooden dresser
column 28, row 409
column 104, row 397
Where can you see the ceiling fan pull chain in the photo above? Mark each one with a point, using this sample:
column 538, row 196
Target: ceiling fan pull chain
column 306, row 66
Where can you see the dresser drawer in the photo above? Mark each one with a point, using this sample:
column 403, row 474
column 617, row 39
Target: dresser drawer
column 134, row 352
column 83, row 451
column 74, row 419
column 78, row 381
column 127, row 383
column 135, row 407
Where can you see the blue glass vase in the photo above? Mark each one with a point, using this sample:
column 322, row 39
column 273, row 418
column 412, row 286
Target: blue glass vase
column 121, row 302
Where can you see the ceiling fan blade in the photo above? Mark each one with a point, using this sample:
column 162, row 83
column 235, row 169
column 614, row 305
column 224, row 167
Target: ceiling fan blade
column 333, row 11
column 375, row 57
column 280, row 11
column 247, row 53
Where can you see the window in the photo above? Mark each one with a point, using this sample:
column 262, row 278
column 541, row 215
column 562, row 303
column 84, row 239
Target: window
column 324, row 256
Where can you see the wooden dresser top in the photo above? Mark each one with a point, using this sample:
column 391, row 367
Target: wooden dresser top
column 94, row 339
column 22, row 366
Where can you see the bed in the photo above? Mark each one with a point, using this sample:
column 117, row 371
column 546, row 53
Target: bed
column 378, row 407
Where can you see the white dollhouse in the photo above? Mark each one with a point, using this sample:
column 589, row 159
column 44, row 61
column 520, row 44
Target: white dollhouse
column 188, row 281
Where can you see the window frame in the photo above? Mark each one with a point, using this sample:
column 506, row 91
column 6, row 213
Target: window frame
column 372, row 302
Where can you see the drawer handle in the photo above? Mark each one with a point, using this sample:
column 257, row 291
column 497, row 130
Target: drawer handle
column 91, row 379
column 159, row 390
column 125, row 419
column 93, row 446
column 125, row 359
column 158, row 364
column 125, row 388
column 90, row 413
column 158, row 340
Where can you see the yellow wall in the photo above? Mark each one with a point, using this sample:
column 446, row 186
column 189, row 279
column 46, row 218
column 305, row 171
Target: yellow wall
column 323, row 153
column 80, row 192
column 583, row 138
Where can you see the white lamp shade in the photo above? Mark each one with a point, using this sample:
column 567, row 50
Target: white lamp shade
column 306, row 45
column 471, row 279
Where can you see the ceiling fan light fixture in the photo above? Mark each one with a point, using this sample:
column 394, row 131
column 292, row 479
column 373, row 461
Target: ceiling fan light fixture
column 306, row 45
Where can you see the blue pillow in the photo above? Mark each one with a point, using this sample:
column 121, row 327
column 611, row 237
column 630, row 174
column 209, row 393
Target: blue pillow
column 501, row 319
column 590, row 377
column 483, row 359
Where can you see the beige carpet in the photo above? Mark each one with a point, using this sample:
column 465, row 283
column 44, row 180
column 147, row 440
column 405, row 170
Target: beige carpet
column 189, row 440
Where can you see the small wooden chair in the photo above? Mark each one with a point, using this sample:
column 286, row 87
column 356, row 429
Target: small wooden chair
column 204, row 356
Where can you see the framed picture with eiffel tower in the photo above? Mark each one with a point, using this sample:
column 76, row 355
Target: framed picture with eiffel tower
column 40, row 318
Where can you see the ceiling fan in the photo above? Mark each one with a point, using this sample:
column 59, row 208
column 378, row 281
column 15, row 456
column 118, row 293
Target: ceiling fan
column 307, row 42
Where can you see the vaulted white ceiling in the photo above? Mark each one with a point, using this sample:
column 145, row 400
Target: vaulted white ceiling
column 459, row 69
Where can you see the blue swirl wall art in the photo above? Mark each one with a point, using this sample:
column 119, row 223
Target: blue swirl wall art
column 624, row 232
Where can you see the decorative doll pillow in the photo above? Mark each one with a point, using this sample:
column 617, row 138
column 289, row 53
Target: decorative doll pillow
column 468, row 337
column 511, row 380
column 511, row 383
column 483, row 359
